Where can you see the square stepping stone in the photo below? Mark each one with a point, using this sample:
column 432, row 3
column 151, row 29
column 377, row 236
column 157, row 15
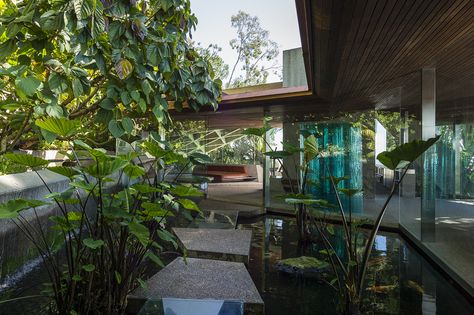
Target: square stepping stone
column 229, row 245
column 201, row 279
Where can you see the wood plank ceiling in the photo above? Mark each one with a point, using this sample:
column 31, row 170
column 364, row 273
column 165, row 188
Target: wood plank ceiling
column 368, row 54
column 363, row 50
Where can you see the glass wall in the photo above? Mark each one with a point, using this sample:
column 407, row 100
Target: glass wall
column 348, row 144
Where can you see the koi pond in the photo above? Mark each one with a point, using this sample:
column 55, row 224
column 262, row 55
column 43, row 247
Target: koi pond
column 400, row 280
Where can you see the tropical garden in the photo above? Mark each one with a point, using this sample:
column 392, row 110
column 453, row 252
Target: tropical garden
column 84, row 75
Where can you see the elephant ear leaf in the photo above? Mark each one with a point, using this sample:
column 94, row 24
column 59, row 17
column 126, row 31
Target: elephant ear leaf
column 259, row 132
column 62, row 127
column 11, row 209
column 405, row 154
column 65, row 171
column 278, row 154
column 26, row 160
column 310, row 148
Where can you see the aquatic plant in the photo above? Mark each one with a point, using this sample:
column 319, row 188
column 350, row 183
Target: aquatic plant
column 298, row 196
column 89, row 73
column 350, row 267
column 105, row 228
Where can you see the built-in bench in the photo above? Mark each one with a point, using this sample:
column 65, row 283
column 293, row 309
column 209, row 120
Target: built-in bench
column 223, row 173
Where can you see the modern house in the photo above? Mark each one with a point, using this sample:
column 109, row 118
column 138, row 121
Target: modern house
column 371, row 75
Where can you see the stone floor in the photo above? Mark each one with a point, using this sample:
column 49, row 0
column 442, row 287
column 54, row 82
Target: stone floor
column 220, row 244
column 202, row 279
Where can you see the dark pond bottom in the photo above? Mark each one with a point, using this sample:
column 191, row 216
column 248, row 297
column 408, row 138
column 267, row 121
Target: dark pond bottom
column 400, row 280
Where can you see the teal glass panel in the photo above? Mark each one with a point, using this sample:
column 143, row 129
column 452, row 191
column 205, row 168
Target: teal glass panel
column 342, row 146
column 445, row 163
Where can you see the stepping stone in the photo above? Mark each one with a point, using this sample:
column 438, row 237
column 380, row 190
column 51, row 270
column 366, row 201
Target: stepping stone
column 229, row 245
column 201, row 279
column 213, row 219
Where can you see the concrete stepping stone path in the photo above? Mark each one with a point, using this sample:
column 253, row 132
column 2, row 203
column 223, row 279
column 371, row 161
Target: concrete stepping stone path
column 219, row 244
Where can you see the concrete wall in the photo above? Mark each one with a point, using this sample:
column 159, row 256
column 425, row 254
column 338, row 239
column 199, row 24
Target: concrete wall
column 294, row 73
column 15, row 249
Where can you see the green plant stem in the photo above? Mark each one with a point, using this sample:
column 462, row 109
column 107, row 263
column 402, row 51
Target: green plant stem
column 375, row 229
column 343, row 216
column 329, row 250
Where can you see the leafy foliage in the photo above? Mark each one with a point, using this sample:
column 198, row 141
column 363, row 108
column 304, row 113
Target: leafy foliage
column 69, row 70
column 105, row 249
column 405, row 154
column 253, row 46
column 26, row 160
column 349, row 268
column 83, row 59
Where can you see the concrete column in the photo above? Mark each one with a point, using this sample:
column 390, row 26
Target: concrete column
column 368, row 165
column 267, row 163
column 457, row 160
column 428, row 130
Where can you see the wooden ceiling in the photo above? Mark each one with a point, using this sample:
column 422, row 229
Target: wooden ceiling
column 368, row 54
column 360, row 50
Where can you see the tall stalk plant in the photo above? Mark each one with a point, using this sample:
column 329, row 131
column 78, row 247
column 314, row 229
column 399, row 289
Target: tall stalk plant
column 106, row 230
column 350, row 267
column 298, row 186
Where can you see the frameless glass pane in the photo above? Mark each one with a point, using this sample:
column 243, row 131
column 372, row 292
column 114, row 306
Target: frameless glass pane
column 173, row 306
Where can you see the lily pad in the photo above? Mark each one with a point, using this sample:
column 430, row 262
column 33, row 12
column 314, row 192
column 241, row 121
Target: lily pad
column 304, row 265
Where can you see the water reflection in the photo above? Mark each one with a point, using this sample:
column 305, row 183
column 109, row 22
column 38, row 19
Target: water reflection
column 400, row 281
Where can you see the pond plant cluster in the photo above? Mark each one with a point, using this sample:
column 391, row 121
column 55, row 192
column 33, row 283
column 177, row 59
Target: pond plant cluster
column 87, row 72
column 349, row 266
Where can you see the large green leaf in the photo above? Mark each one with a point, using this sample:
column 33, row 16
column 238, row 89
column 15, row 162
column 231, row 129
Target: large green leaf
column 128, row 124
column 69, row 172
column 26, row 160
column 145, row 188
column 93, row 244
column 123, row 68
column 155, row 259
column 189, row 204
column 200, row 158
column 308, row 201
column 11, row 209
column 115, row 129
column 349, row 192
column 27, row 87
column 405, row 154
column 134, row 171
column 311, row 149
column 6, row 49
column 58, row 83
column 259, row 132
column 186, row 191
column 167, row 236
column 140, row 232
column 154, row 149
column 105, row 166
column 62, row 127
column 278, row 154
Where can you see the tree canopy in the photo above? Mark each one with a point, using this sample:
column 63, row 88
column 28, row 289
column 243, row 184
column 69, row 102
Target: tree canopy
column 253, row 45
column 111, row 64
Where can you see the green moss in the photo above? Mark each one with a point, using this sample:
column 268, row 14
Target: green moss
column 304, row 262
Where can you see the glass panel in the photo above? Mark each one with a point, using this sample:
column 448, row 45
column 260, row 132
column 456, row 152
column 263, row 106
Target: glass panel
column 172, row 306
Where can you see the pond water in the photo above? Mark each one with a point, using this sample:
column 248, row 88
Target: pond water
column 400, row 280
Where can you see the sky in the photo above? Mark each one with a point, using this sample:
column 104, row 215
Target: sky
column 214, row 27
